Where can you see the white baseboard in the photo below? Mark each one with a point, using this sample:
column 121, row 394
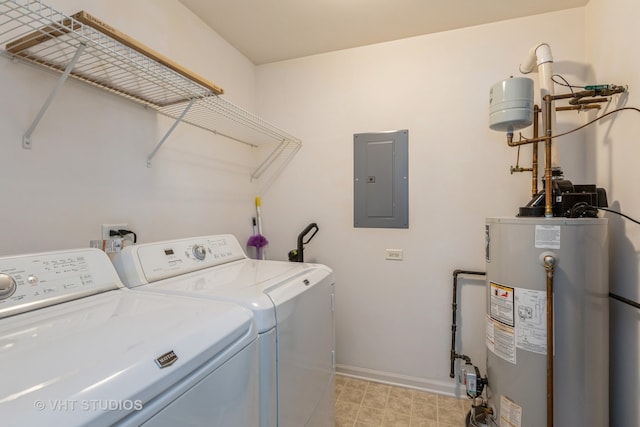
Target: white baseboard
column 448, row 388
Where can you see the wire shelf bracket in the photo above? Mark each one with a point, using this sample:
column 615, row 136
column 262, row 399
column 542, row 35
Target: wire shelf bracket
column 26, row 138
column 273, row 156
column 169, row 132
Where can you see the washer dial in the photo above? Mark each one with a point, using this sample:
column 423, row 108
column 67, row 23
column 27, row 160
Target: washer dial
column 199, row 252
column 7, row 286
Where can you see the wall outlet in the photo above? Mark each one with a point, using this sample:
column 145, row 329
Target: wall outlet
column 106, row 229
column 393, row 254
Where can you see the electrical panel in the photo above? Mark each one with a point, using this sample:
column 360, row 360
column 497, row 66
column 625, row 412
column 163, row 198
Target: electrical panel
column 381, row 179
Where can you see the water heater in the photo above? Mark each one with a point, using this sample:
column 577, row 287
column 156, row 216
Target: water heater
column 511, row 104
column 516, row 322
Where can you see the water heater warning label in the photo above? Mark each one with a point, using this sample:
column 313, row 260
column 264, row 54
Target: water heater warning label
column 510, row 413
column 501, row 304
column 501, row 322
column 501, row 340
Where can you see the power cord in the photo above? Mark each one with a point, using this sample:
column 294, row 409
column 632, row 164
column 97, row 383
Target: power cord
column 123, row 233
column 564, row 82
column 583, row 209
column 621, row 214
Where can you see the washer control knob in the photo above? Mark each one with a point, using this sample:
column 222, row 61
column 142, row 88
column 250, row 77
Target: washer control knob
column 199, row 252
column 7, row 286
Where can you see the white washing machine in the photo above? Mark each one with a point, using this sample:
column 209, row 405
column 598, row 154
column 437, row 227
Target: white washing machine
column 292, row 305
column 79, row 349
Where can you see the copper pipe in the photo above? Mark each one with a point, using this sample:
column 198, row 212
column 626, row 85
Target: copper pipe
column 536, row 138
column 534, row 161
column 514, row 169
column 562, row 96
column 577, row 102
column 579, row 107
column 549, row 262
column 517, row 167
column 548, row 187
column 512, row 143
column 577, row 98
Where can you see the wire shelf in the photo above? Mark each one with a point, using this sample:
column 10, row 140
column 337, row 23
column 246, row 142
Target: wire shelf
column 89, row 50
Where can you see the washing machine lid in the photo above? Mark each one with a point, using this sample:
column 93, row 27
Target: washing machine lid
column 245, row 282
column 224, row 272
column 96, row 359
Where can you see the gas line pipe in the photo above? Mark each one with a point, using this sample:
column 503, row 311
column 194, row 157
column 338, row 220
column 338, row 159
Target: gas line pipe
column 454, row 308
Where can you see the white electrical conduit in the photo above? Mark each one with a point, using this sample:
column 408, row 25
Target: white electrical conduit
column 540, row 56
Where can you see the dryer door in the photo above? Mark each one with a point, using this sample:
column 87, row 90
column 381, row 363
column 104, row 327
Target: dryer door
column 305, row 339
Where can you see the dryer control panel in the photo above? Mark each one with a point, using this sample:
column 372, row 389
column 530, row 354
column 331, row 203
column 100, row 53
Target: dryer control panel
column 145, row 263
column 29, row 282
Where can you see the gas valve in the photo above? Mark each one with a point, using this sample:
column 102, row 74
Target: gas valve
column 474, row 383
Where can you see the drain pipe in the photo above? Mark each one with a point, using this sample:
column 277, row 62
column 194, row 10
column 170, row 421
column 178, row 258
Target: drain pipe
column 454, row 309
column 549, row 262
column 540, row 59
column 534, row 159
column 540, row 56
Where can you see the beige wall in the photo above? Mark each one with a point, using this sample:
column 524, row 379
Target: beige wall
column 393, row 318
column 614, row 54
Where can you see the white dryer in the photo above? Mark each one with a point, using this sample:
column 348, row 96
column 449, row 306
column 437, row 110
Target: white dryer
column 79, row 349
column 292, row 305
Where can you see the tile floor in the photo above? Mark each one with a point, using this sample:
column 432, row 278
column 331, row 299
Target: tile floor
column 362, row 403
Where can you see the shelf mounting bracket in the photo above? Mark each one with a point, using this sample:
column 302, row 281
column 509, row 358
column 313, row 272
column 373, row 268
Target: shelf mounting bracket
column 171, row 129
column 269, row 160
column 26, row 138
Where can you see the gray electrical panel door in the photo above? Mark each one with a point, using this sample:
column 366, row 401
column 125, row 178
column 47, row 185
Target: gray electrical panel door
column 381, row 179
